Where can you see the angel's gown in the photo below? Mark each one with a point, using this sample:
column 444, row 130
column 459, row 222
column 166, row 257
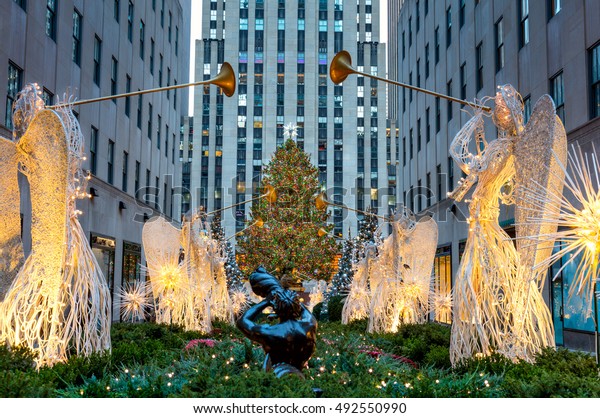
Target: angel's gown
column 489, row 262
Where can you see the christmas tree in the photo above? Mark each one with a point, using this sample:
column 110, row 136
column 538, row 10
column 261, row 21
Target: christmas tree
column 340, row 285
column 289, row 242
column 368, row 233
column 233, row 273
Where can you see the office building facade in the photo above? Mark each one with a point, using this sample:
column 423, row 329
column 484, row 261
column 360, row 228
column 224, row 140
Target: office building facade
column 91, row 49
column 466, row 49
column 280, row 51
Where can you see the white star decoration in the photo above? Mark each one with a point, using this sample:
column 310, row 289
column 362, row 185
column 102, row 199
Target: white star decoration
column 291, row 131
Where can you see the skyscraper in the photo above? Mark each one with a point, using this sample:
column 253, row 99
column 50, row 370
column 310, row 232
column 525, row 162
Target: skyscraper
column 92, row 49
column 281, row 52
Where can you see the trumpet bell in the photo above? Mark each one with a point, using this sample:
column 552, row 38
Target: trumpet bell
column 271, row 194
column 321, row 232
column 341, row 67
column 321, row 202
column 225, row 79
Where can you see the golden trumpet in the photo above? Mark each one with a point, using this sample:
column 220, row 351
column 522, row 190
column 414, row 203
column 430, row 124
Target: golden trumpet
column 225, row 80
column 341, row 67
column 321, row 203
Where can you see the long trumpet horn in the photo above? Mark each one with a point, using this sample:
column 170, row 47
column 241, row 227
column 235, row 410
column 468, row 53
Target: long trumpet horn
column 341, row 67
column 321, row 203
column 224, row 80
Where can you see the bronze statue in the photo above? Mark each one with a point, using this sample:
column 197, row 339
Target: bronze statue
column 288, row 344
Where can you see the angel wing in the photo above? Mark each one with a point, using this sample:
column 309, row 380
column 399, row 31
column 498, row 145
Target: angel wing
column 161, row 243
column 543, row 144
column 11, row 248
column 418, row 250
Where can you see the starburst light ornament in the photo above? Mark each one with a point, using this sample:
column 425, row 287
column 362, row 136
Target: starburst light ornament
column 290, row 131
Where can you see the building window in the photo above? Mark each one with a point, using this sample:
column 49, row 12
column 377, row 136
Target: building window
column 142, row 32
column 411, row 144
column 93, row 150
column 116, row 10
column 147, row 191
column 526, row 109
column 448, row 26
column 151, row 56
column 22, row 4
column 427, row 126
column 554, row 6
column 97, row 59
column 125, row 168
column 437, row 45
column 51, row 18
column 170, row 23
column 136, row 185
column 159, row 123
column 150, row 121
column 463, row 81
column 403, row 45
column 449, row 93
column 437, row 114
column 114, row 74
column 130, row 21
column 479, row 59
column 111, row 161
column 557, row 91
column 426, row 61
column 410, row 31
column 442, row 271
column 450, row 174
column 524, row 23
column 176, row 40
column 15, row 84
column 499, row 44
column 418, row 134
column 139, row 111
column 428, row 189
column 162, row 14
column 440, row 182
column 461, row 14
column 127, row 99
column 47, row 97
column 76, row 37
column 595, row 79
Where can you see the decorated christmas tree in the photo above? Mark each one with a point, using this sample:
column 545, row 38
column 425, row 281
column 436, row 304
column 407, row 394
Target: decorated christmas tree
column 368, row 234
column 343, row 278
column 234, row 275
column 289, row 242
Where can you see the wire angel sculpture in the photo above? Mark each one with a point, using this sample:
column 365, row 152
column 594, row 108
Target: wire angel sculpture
column 358, row 301
column 316, row 290
column 403, row 271
column 59, row 301
column 498, row 305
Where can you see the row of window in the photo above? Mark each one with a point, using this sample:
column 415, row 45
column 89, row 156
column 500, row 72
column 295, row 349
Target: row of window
column 138, row 192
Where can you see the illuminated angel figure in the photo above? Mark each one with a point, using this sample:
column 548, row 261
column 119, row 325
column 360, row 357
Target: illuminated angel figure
column 401, row 275
column 358, row 300
column 59, row 301
column 498, row 305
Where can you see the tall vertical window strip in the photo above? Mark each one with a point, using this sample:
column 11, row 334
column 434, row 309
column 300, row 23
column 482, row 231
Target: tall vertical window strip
column 76, row 37
column 128, row 99
column 524, row 23
column 595, row 80
column 22, row 4
column 51, row 18
column 437, row 44
column 463, row 81
column 554, row 6
column 125, row 168
column 449, row 93
column 461, row 13
column 97, row 59
column 93, row 150
column 499, row 44
column 116, row 10
column 151, row 56
column 130, row 21
column 557, row 89
column 448, row 26
column 15, row 84
column 114, row 76
column 479, row 59
column 142, row 33
column 111, row 162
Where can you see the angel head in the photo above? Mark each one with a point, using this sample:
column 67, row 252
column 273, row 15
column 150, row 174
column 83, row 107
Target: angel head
column 508, row 114
column 29, row 102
